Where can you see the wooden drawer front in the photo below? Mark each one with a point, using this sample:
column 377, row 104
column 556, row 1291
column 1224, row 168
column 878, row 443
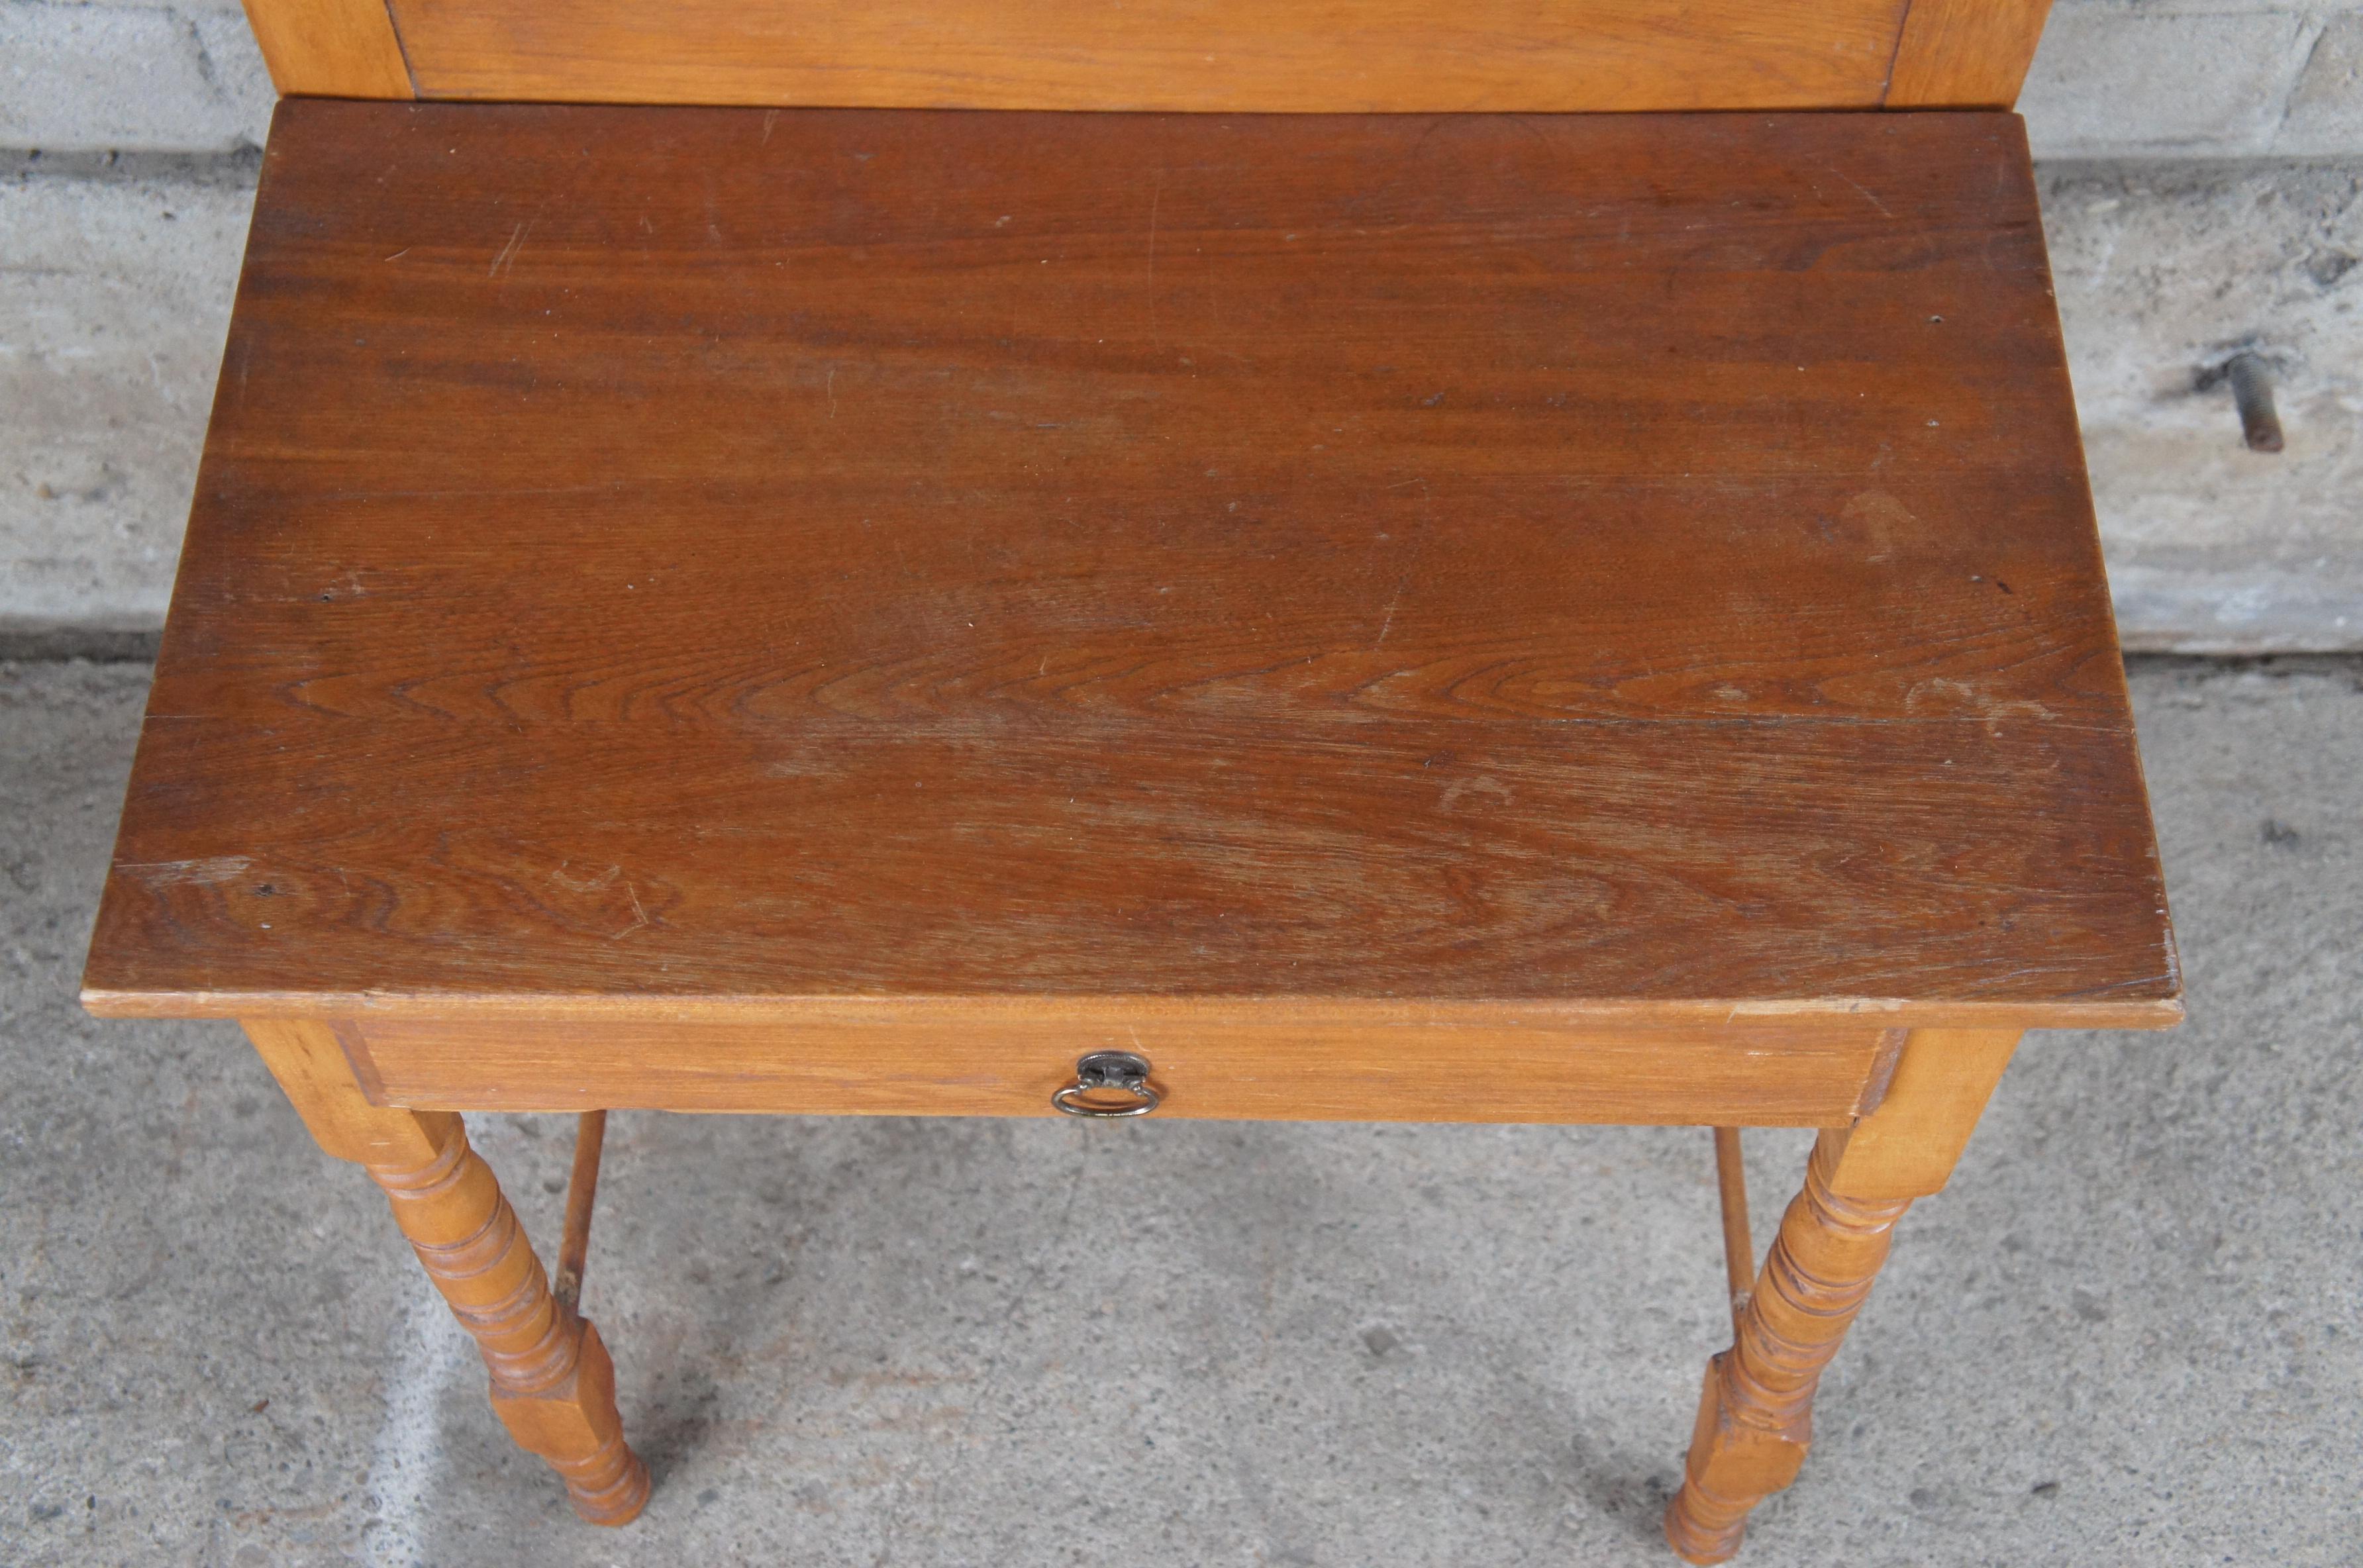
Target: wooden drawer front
column 1206, row 1063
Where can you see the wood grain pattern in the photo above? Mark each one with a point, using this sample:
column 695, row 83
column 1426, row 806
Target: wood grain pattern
column 1965, row 54
column 330, row 48
column 1200, row 55
column 658, row 559
column 1291, row 1062
column 553, row 1384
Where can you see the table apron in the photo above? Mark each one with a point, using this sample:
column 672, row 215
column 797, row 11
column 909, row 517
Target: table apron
column 1255, row 1068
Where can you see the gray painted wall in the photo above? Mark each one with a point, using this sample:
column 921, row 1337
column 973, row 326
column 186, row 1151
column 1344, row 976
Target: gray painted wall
column 2203, row 173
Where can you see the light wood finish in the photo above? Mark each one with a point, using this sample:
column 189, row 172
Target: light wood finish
column 1384, row 56
column 1291, row 1062
column 1754, row 1420
column 1908, row 1146
column 658, row 559
column 553, row 1384
column 1224, row 56
column 330, row 48
column 1738, row 1240
column 1965, row 54
column 581, row 1195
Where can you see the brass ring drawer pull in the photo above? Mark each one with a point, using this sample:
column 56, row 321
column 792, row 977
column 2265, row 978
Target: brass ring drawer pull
column 1106, row 1073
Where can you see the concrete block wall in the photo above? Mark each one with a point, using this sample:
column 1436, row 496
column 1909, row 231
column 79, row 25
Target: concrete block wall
column 2163, row 269
column 182, row 77
column 2197, row 78
column 115, row 293
column 2202, row 163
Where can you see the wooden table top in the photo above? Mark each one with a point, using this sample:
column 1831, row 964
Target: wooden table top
column 684, row 561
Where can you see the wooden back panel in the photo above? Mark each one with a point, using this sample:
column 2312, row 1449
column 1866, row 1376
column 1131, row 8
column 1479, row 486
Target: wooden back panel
column 1233, row 56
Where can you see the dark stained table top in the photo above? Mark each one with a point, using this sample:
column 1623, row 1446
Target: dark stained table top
column 677, row 558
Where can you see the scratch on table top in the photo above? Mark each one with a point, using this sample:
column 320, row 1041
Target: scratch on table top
column 1867, row 194
column 584, row 884
column 640, row 913
column 206, row 871
column 1459, row 787
column 1386, row 623
column 509, row 251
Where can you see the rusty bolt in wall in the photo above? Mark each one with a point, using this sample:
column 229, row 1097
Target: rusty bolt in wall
column 2251, row 378
column 2252, row 393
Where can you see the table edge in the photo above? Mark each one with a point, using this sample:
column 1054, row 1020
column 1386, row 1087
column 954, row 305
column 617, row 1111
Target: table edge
column 2125, row 1013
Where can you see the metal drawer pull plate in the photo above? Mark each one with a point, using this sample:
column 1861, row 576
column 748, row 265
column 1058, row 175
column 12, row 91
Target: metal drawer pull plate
column 1106, row 1072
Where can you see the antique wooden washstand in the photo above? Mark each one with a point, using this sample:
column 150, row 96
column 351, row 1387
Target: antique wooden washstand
column 1216, row 560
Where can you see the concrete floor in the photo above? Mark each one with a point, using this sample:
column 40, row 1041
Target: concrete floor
column 2131, row 1333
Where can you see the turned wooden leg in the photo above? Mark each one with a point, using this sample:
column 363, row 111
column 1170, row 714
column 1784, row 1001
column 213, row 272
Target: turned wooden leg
column 552, row 1383
column 1756, row 1414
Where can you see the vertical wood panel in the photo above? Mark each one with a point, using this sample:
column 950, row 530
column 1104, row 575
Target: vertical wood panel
column 1948, row 53
column 1965, row 54
column 1335, row 56
column 330, row 48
